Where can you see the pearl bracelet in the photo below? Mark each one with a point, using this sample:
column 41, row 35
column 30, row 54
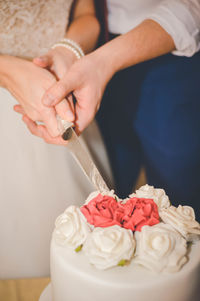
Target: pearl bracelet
column 71, row 45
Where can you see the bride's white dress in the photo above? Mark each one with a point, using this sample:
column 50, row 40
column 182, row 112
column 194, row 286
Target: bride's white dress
column 37, row 181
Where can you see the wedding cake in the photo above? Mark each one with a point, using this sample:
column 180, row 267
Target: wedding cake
column 137, row 249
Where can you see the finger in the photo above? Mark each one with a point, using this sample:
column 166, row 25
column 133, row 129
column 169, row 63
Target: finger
column 41, row 131
column 61, row 89
column 50, row 120
column 51, row 140
column 43, row 61
column 48, row 116
column 65, row 109
column 19, row 109
column 32, row 126
column 84, row 116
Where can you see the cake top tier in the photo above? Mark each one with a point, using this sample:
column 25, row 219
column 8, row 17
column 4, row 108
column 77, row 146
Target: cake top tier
column 143, row 228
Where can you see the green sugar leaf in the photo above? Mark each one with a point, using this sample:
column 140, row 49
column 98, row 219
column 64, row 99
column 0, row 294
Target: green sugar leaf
column 122, row 262
column 79, row 248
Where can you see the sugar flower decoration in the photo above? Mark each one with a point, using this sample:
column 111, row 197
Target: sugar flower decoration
column 160, row 248
column 183, row 220
column 107, row 247
column 71, row 228
column 158, row 195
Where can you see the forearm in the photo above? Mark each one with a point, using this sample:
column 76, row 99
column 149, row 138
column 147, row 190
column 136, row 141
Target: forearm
column 84, row 30
column 4, row 69
column 146, row 41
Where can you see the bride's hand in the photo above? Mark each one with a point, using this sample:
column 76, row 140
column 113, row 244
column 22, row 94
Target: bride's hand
column 27, row 83
column 57, row 60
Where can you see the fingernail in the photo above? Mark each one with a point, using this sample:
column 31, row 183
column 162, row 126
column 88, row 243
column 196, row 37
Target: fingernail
column 69, row 116
column 39, row 59
column 42, row 58
column 49, row 99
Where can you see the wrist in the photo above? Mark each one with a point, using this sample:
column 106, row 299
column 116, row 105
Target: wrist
column 104, row 63
column 71, row 46
column 115, row 54
column 65, row 53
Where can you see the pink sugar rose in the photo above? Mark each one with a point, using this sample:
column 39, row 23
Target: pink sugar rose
column 105, row 211
column 140, row 212
column 101, row 211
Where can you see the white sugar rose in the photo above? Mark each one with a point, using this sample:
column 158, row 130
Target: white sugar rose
column 94, row 194
column 149, row 192
column 183, row 220
column 160, row 248
column 106, row 247
column 71, row 228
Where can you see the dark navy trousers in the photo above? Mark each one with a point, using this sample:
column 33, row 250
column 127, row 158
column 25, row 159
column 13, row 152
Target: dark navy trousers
column 150, row 117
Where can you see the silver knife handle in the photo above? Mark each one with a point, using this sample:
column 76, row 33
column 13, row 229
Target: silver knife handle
column 63, row 125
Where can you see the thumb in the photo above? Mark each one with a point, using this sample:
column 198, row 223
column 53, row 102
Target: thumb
column 43, row 61
column 84, row 117
column 65, row 109
column 59, row 90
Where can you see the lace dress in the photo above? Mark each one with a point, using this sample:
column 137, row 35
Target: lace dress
column 37, row 181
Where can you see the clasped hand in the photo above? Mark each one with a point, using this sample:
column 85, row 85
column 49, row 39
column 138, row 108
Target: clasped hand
column 85, row 78
column 29, row 86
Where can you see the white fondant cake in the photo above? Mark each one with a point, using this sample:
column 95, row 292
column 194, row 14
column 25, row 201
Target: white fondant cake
column 73, row 279
column 114, row 250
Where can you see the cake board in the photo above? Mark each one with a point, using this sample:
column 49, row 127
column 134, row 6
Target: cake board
column 46, row 294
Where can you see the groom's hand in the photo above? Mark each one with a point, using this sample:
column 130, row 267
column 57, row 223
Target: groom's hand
column 86, row 79
column 58, row 61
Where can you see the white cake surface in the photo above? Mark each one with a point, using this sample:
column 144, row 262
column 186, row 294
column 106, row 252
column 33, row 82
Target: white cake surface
column 46, row 294
column 141, row 248
column 74, row 278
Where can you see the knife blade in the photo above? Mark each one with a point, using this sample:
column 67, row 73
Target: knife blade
column 81, row 155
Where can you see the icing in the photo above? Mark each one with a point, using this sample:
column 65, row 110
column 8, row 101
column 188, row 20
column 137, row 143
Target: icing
column 71, row 228
column 183, row 220
column 106, row 247
column 108, row 230
column 158, row 195
column 140, row 212
column 103, row 211
column 160, row 248
column 94, row 194
column 74, row 278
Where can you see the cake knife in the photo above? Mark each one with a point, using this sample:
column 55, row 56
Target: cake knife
column 81, row 155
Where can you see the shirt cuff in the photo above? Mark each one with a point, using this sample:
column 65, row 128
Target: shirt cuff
column 181, row 24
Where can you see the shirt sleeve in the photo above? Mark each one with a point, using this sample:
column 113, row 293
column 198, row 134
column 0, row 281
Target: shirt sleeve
column 181, row 20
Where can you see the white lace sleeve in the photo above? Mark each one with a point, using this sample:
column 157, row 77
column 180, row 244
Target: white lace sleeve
column 29, row 27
